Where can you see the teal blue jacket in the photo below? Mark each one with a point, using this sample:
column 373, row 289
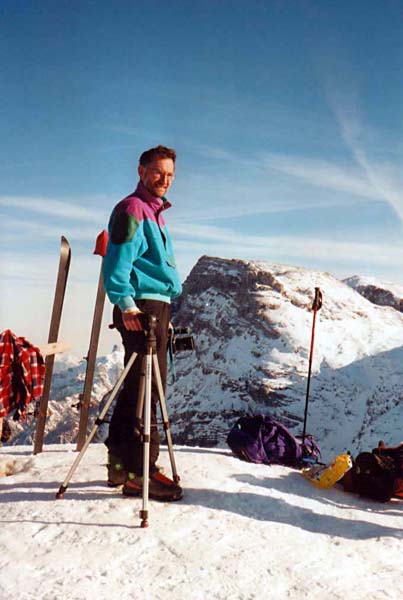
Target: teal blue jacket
column 139, row 261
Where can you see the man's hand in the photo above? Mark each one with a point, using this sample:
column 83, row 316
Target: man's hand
column 132, row 319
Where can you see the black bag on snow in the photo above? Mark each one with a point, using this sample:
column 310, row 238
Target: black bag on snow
column 395, row 453
column 371, row 476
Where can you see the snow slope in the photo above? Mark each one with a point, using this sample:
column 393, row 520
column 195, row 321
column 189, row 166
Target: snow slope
column 242, row 531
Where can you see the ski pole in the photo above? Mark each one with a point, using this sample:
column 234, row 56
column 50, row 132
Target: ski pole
column 85, row 397
column 317, row 303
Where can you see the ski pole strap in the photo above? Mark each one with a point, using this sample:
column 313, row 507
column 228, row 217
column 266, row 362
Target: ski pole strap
column 317, row 302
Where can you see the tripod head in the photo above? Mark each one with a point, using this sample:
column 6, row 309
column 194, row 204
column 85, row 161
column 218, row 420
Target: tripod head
column 150, row 325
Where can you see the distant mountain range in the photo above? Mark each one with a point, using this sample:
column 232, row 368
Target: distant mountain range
column 252, row 325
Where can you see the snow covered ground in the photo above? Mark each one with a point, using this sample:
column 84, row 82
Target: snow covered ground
column 242, row 531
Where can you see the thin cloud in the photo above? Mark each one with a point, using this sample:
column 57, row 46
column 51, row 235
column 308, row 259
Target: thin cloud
column 226, row 242
column 52, row 208
column 228, row 196
column 385, row 178
column 379, row 176
column 28, row 268
column 217, row 153
column 225, row 198
column 34, row 229
column 324, row 174
column 41, row 268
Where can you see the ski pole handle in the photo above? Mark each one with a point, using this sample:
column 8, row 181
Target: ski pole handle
column 101, row 243
column 317, row 302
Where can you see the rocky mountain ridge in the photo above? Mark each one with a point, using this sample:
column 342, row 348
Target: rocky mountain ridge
column 253, row 324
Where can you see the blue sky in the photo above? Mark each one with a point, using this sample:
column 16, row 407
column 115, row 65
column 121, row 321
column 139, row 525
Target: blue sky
column 287, row 118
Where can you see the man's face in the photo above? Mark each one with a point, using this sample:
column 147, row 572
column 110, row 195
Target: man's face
column 158, row 175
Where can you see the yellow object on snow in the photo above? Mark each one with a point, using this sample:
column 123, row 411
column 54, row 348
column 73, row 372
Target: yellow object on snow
column 325, row 476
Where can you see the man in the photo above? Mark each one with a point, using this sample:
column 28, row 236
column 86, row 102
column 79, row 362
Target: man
column 140, row 278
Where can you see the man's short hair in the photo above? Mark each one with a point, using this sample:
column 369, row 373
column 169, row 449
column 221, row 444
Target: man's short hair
column 159, row 151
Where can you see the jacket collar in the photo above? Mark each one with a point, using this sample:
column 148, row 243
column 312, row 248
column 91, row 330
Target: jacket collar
column 158, row 204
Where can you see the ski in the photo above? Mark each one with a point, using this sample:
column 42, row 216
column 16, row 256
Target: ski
column 85, row 397
column 62, row 275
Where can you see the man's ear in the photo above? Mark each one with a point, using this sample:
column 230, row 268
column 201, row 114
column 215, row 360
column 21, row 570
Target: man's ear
column 140, row 171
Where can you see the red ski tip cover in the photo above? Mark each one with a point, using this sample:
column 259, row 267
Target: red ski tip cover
column 101, row 243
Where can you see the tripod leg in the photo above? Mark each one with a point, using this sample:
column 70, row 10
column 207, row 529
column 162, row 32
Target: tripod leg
column 63, row 487
column 140, row 402
column 165, row 418
column 146, row 438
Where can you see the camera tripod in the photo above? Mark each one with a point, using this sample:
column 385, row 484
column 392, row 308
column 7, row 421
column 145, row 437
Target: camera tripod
column 150, row 367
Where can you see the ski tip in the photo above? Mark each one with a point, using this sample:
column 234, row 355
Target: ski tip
column 101, row 243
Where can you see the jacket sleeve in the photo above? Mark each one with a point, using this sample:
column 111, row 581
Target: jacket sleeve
column 126, row 243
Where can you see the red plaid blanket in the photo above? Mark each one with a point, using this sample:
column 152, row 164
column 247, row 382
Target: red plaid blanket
column 22, row 372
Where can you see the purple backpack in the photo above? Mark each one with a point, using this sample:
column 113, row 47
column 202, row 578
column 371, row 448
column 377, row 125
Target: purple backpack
column 260, row 439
